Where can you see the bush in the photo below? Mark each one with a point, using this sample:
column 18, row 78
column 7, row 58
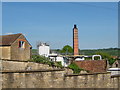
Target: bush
column 42, row 59
column 75, row 68
column 111, row 61
column 58, row 64
column 45, row 60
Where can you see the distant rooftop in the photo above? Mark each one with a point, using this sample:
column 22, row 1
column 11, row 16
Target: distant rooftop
column 42, row 44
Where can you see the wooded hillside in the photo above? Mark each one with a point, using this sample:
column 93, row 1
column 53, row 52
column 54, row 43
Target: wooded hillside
column 110, row 51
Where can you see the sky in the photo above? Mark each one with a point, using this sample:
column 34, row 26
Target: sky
column 60, row 0
column 53, row 22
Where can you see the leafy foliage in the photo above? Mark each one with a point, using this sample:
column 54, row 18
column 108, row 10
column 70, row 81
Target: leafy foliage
column 111, row 61
column 75, row 68
column 104, row 55
column 67, row 50
column 107, row 57
column 34, row 52
column 58, row 64
column 44, row 60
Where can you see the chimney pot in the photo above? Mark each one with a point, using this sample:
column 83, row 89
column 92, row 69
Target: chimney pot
column 75, row 26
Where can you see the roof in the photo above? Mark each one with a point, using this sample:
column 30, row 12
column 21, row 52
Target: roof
column 8, row 39
column 92, row 65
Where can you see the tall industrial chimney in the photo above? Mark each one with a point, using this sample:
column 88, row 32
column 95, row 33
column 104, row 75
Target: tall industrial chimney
column 75, row 41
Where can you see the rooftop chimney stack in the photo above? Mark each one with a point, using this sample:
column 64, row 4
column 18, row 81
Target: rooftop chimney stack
column 75, row 41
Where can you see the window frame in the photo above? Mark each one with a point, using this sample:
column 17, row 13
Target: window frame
column 21, row 43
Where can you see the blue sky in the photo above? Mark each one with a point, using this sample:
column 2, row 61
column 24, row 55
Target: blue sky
column 53, row 22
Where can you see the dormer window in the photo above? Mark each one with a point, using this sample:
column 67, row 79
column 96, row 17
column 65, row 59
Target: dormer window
column 21, row 44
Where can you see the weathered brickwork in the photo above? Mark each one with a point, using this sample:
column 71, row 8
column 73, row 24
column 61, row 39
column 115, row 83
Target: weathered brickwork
column 75, row 41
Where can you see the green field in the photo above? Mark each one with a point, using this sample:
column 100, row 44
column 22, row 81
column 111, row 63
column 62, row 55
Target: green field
column 110, row 51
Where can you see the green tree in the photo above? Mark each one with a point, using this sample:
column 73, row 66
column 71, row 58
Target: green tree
column 111, row 61
column 104, row 55
column 67, row 50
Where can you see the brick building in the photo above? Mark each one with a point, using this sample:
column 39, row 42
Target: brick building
column 75, row 41
column 15, row 47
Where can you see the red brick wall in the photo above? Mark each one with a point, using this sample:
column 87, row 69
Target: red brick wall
column 93, row 65
column 75, row 41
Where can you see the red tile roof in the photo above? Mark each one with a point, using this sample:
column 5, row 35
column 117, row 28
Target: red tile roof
column 8, row 39
column 93, row 65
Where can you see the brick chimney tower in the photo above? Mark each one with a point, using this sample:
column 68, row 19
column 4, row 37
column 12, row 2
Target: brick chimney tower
column 75, row 41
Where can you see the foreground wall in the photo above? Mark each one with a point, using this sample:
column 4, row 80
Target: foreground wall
column 56, row 79
column 52, row 77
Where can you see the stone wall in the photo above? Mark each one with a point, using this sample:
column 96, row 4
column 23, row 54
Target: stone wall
column 18, row 53
column 19, row 65
column 57, row 79
column 5, row 52
column 100, row 80
column 44, row 76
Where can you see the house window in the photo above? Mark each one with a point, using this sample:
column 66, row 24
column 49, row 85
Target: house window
column 21, row 44
column 116, row 65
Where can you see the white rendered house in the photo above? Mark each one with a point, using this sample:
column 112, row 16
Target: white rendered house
column 43, row 49
column 56, row 58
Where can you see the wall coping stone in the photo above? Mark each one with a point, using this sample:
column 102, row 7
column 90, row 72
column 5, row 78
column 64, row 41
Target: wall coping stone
column 70, row 75
column 115, row 76
column 22, row 61
column 15, row 60
column 30, row 71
